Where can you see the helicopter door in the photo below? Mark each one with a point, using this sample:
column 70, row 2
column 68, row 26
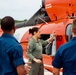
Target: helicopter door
column 68, row 32
column 44, row 37
column 49, row 49
column 52, row 50
column 53, row 47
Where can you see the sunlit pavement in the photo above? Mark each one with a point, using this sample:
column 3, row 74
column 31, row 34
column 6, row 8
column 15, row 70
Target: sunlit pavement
column 49, row 73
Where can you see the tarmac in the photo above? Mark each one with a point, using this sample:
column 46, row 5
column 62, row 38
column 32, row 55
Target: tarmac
column 46, row 72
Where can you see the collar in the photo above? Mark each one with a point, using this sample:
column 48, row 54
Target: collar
column 8, row 36
column 74, row 38
column 35, row 40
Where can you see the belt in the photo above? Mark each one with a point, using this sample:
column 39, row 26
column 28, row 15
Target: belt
column 36, row 58
column 39, row 58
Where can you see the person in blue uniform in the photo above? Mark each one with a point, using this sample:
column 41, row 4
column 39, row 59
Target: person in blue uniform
column 34, row 51
column 11, row 55
column 66, row 56
column 1, row 67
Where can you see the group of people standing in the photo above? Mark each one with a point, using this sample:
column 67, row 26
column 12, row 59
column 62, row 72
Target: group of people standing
column 11, row 55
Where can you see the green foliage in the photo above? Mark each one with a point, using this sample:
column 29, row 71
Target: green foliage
column 0, row 20
column 18, row 21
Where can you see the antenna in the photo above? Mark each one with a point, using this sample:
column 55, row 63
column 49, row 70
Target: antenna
column 42, row 20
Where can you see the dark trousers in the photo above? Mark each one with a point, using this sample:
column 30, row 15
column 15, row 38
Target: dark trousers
column 37, row 69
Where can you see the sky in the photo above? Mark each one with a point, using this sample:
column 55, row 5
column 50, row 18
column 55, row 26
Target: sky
column 19, row 9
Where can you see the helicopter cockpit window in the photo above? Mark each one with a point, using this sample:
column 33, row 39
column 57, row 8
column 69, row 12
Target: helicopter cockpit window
column 46, row 49
column 68, row 32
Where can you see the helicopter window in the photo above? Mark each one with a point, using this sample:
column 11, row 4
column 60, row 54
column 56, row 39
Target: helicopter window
column 47, row 48
column 68, row 32
column 45, row 36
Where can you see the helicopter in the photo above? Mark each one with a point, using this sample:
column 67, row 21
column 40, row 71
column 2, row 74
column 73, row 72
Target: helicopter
column 54, row 15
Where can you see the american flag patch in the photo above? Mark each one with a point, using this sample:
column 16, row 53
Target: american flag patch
column 28, row 47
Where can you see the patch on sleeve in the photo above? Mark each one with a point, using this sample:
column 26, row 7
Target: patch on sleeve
column 28, row 47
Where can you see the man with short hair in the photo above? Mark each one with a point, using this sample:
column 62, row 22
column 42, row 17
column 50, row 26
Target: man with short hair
column 66, row 56
column 11, row 55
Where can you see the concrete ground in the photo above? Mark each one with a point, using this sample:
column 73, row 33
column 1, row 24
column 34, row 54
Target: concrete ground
column 47, row 72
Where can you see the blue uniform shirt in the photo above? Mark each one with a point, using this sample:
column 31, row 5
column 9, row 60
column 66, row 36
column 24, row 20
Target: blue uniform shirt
column 66, row 57
column 11, row 55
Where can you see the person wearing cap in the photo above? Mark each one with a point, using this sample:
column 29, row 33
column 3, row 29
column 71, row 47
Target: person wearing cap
column 34, row 51
column 65, row 57
column 11, row 55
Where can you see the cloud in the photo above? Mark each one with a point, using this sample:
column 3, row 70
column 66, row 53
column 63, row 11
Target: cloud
column 19, row 9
